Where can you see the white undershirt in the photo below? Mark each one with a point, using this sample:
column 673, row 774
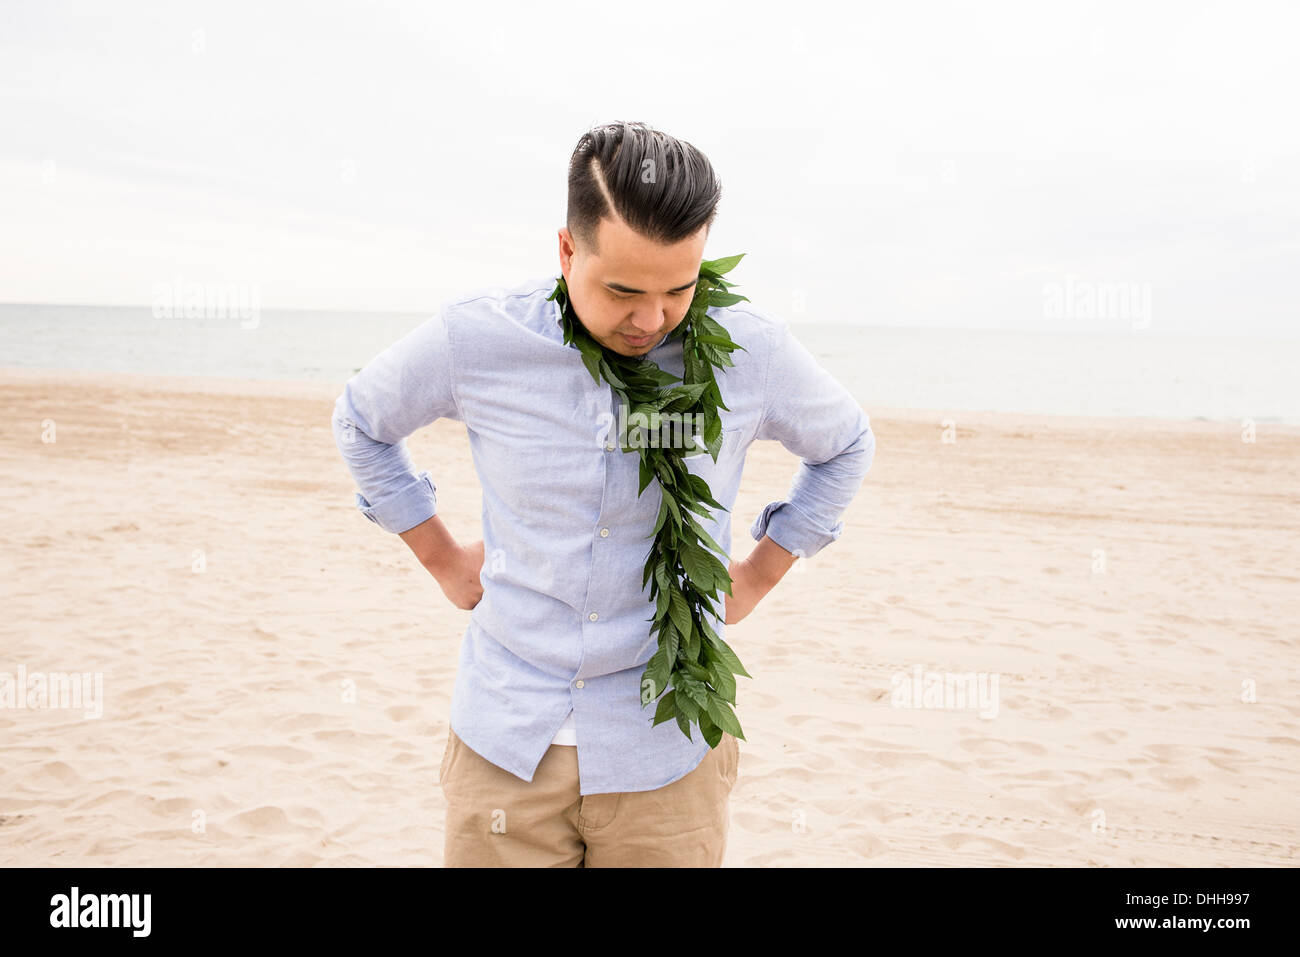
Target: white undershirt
column 568, row 733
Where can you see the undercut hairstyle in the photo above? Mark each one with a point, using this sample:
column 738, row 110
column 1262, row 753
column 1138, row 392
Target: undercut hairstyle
column 662, row 187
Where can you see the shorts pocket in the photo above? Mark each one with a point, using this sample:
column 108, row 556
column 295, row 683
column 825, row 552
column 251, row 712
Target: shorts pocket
column 446, row 758
column 730, row 747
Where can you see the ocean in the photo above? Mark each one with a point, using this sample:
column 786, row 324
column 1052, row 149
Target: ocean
column 1116, row 374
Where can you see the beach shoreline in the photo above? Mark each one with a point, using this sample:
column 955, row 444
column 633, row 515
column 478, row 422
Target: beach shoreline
column 314, row 388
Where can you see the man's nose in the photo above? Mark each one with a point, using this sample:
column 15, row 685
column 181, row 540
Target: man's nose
column 649, row 321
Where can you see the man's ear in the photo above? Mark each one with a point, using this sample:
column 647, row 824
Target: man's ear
column 568, row 248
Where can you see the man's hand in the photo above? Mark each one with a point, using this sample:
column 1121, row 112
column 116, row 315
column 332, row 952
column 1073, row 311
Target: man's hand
column 459, row 579
column 754, row 577
column 455, row 568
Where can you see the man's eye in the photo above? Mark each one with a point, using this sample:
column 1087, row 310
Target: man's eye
column 679, row 292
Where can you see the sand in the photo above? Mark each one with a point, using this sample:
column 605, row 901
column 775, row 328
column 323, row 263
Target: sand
column 277, row 670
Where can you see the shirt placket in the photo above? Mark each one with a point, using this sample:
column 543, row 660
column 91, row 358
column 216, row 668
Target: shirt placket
column 605, row 569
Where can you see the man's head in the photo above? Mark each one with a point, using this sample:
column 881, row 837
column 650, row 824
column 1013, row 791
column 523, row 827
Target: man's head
column 640, row 207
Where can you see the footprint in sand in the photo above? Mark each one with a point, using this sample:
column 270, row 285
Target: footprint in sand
column 55, row 771
column 956, row 842
column 282, row 753
column 263, row 820
column 1109, row 736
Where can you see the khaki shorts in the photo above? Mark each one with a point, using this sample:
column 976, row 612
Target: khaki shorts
column 495, row 819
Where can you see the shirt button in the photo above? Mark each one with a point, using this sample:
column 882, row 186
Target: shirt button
column 609, row 448
column 578, row 683
column 593, row 616
column 604, row 533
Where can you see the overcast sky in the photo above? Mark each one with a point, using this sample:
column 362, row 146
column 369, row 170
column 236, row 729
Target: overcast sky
column 889, row 164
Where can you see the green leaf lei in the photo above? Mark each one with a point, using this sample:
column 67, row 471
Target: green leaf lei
column 697, row 666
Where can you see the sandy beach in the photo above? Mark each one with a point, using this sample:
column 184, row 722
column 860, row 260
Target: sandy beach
column 276, row 670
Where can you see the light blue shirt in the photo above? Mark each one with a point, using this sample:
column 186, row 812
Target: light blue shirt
column 564, row 623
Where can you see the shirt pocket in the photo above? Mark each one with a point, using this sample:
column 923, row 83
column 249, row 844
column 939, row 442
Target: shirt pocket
column 712, row 472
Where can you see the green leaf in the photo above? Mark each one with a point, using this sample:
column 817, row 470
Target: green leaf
column 692, row 649
column 712, row 733
column 725, row 654
column 647, row 475
column 715, row 446
column 712, row 429
column 725, row 583
column 673, row 509
column 656, row 375
column 613, row 380
column 671, row 642
column 699, row 509
column 707, row 606
column 698, row 672
column 662, row 469
column 720, row 267
column 723, row 716
column 718, row 341
column 688, row 706
column 696, row 563
column 679, row 611
column 698, row 529
column 663, row 515
column 702, row 492
column 658, row 669
column 593, row 365
column 724, row 681
column 725, row 299
column 666, row 709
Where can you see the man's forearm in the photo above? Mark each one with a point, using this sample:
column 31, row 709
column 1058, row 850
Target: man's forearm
column 432, row 544
column 770, row 561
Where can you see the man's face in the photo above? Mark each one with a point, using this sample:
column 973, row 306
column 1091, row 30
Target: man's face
column 636, row 290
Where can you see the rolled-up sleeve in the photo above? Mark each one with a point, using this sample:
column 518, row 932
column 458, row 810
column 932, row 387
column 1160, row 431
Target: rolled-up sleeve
column 810, row 413
column 406, row 387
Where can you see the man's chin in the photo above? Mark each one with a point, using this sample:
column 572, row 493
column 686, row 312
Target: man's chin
column 624, row 348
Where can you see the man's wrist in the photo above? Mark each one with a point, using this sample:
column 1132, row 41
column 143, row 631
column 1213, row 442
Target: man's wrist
column 442, row 562
column 432, row 545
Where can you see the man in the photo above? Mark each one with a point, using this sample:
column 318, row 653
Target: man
column 551, row 757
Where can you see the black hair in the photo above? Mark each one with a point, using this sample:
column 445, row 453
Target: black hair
column 662, row 187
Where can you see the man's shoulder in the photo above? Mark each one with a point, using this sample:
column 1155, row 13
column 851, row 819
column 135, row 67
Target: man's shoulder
column 495, row 320
column 751, row 326
column 491, row 315
column 501, row 296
